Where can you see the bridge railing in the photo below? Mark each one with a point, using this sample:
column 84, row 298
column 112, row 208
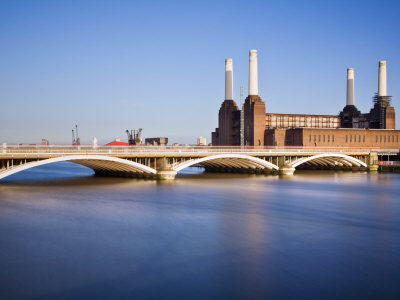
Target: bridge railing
column 157, row 150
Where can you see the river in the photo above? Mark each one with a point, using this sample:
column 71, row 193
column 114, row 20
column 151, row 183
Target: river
column 65, row 234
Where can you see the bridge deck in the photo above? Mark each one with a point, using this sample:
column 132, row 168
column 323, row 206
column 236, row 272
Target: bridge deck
column 170, row 151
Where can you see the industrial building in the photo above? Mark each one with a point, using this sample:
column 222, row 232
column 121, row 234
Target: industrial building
column 157, row 141
column 254, row 127
column 201, row 141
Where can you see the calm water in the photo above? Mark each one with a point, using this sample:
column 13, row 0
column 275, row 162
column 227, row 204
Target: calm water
column 67, row 235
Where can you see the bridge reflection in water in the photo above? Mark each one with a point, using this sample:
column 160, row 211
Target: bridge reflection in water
column 164, row 162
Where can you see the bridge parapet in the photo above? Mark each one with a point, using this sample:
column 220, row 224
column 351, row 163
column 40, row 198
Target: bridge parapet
column 171, row 151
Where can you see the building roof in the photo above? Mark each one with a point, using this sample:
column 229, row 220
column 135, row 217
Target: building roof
column 117, row 143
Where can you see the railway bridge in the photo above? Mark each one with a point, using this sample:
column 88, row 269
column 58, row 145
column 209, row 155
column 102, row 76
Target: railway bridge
column 164, row 162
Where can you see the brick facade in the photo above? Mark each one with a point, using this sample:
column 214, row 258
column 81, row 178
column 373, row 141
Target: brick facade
column 300, row 121
column 342, row 137
column 228, row 131
column 254, row 121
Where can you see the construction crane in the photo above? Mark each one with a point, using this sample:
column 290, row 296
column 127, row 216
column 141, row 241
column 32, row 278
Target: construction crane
column 75, row 137
column 134, row 136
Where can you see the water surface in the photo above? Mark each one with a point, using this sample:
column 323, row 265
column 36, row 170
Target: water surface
column 65, row 234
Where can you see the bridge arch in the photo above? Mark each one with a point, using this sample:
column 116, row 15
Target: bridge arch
column 330, row 159
column 99, row 163
column 228, row 160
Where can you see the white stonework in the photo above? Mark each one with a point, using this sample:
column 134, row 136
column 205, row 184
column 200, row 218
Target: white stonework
column 253, row 73
column 228, row 79
column 350, row 87
column 382, row 85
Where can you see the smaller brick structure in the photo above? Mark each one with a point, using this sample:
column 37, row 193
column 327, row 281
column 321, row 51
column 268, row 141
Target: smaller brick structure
column 342, row 137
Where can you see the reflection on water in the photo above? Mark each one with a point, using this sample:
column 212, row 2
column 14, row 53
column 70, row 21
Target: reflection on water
column 67, row 234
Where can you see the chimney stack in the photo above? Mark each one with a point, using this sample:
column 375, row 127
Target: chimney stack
column 228, row 79
column 253, row 73
column 350, row 87
column 382, row 85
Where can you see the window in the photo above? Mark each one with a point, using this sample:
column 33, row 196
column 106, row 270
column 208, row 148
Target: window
column 376, row 138
column 346, row 138
column 359, row 138
column 310, row 138
column 384, row 139
column 333, row 138
column 363, row 138
column 351, row 138
column 315, row 137
column 323, row 138
column 329, row 136
column 380, row 139
column 319, row 138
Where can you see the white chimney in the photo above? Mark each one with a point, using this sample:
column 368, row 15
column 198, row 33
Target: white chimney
column 382, row 85
column 350, row 87
column 253, row 73
column 95, row 142
column 228, row 79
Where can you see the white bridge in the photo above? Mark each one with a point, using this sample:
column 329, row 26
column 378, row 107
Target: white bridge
column 165, row 161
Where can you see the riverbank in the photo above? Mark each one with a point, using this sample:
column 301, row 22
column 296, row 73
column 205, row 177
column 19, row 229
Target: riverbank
column 389, row 169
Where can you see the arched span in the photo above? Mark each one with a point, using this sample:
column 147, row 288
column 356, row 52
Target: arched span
column 327, row 157
column 95, row 162
column 237, row 160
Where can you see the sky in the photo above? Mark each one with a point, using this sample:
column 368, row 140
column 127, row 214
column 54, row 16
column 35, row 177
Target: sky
column 109, row 66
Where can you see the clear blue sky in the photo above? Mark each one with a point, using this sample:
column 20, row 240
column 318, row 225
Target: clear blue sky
column 109, row 66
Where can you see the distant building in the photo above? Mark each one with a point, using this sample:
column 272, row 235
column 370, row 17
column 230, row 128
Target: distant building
column 45, row 142
column 159, row 141
column 349, row 128
column 201, row 141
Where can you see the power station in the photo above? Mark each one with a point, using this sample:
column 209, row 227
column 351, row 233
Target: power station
column 349, row 128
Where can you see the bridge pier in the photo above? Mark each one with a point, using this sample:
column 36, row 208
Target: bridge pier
column 166, row 174
column 284, row 168
column 373, row 165
column 373, row 168
column 164, row 170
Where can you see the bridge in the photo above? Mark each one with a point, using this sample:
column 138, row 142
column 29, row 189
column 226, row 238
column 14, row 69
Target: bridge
column 164, row 162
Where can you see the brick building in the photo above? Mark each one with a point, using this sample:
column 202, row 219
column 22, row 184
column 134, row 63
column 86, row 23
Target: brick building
column 349, row 128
